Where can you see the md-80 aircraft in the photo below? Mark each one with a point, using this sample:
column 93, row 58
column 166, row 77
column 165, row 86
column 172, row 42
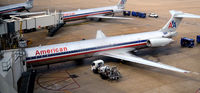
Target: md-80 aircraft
column 14, row 8
column 96, row 13
column 116, row 47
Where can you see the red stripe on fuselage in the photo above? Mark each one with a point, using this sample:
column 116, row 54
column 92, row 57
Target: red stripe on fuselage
column 84, row 53
column 86, row 15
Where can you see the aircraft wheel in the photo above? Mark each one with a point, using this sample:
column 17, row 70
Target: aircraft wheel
column 98, row 19
column 95, row 71
column 103, row 76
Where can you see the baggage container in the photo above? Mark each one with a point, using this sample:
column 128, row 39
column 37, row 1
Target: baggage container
column 198, row 38
column 187, row 42
column 142, row 15
column 134, row 13
column 139, row 14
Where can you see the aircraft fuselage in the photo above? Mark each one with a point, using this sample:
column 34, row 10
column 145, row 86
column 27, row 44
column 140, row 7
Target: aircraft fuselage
column 86, row 48
column 80, row 14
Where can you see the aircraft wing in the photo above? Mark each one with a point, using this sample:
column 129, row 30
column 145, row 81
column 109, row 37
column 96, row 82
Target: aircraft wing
column 125, row 55
column 107, row 17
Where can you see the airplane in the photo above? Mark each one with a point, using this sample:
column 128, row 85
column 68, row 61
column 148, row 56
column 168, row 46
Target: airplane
column 96, row 14
column 118, row 47
column 14, row 8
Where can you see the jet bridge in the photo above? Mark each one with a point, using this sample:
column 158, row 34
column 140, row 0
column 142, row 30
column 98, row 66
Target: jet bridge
column 10, row 28
column 12, row 63
column 38, row 20
column 30, row 21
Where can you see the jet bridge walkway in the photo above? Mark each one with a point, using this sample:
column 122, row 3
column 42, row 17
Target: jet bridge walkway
column 11, row 29
column 32, row 21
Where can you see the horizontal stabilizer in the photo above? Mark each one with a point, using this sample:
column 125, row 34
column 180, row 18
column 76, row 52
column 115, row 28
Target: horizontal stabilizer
column 100, row 34
column 180, row 14
column 175, row 20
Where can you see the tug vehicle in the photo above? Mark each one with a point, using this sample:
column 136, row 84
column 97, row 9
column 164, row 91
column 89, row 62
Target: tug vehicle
column 153, row 15
column 106, row 72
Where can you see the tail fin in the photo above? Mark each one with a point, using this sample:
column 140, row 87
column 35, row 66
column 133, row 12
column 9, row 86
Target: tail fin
column 175, row 20
column 121, row 4
column 29, row 2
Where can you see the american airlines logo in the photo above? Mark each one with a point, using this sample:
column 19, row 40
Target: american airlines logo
column 122, row 1
column 172, row 24
column 49, row 51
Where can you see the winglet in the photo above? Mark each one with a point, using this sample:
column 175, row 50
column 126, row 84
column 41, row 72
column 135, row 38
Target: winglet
column 100, row 34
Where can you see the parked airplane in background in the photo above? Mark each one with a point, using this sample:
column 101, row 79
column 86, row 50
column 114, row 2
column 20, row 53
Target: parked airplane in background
column 116, row 46
column 14, row 8
column 96, row 13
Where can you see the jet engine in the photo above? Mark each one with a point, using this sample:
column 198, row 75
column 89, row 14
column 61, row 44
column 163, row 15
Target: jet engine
column 158, row 42
column 118, row 10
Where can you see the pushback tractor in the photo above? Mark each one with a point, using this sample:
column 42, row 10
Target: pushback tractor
column 106, row 72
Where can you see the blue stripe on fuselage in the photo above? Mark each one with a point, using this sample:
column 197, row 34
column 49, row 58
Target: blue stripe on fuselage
column 83, row 50
column 11, row 9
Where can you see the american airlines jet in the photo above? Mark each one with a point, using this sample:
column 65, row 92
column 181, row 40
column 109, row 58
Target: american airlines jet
column 116, row 47
column 12, row 9
column 96, row 13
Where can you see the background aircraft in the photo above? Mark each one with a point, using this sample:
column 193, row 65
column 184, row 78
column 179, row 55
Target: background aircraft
column 14, row 8
column 96, row 13
column 116, row 47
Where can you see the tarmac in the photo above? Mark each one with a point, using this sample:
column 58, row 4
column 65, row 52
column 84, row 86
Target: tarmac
column 136, row 78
